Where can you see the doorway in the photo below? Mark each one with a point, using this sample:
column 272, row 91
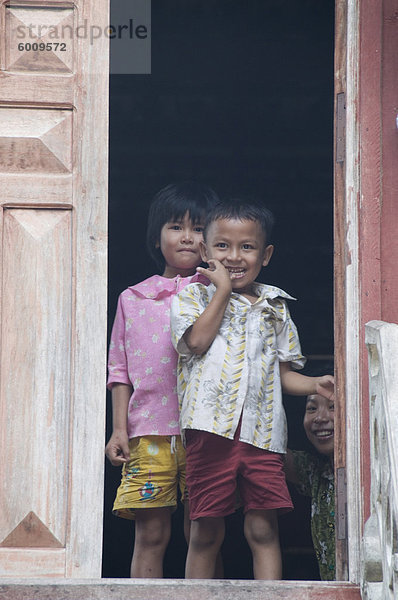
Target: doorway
column 240, row 98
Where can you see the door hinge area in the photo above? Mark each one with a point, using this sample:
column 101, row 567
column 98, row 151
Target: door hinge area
column 341, row 504
column 340, row 127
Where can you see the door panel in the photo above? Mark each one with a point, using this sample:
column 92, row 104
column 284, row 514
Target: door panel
column 35, row 391
column 53, row 181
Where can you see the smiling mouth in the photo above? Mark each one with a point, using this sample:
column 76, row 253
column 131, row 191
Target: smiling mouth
column 236, row 273
column 323, row 434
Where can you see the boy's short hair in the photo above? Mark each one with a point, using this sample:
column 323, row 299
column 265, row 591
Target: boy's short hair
column 170, row 204
column 243, row 210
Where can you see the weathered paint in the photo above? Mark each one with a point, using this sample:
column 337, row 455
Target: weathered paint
column 381, row 529
column 366, row 215
column 378, row 215
column 122, row 589
column 53, row 207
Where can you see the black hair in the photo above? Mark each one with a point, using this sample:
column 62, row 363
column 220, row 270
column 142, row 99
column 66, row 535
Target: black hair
column 171, row 203
column 317, row 368
column 243, row 210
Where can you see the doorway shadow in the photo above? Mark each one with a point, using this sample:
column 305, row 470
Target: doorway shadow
column 240, row 98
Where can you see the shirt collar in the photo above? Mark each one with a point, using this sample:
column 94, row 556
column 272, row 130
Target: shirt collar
column 158, row 287
column 264, row 292
column 269, row 292
column 267, row 300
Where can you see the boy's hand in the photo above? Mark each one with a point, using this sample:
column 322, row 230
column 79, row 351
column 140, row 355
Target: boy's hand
column 117, row 449
column 217, row 274
column 204, row 330
column 325, row 386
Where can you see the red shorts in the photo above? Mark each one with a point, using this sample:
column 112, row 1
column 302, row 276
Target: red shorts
column 216, row 467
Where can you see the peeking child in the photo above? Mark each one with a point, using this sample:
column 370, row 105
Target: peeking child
column 313, row 475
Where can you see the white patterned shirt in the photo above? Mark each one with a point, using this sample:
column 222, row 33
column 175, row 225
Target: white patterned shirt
column 238, row 376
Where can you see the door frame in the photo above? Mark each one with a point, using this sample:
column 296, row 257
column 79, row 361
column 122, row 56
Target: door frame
column 346, row 291
column 365, row 280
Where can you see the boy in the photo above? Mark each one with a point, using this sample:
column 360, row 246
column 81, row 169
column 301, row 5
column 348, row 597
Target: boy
column 237, row 346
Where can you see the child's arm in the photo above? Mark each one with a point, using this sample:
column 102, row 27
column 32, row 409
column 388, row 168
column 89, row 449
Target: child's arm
column 117, row 449
column 295, row 384
column 201, row 334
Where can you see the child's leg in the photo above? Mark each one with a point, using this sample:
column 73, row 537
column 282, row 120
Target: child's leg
column 219, row 568
column 152, row 534
column 261, row 532
column 187, row 522
column 207, row 535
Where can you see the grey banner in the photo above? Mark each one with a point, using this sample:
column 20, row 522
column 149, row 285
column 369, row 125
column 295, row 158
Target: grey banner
column 130, row 37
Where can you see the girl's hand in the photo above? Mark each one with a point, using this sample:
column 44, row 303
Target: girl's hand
column 217, row 274
column 325, row 386
column 117, row 449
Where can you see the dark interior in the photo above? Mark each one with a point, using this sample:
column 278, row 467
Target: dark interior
column 240, row 98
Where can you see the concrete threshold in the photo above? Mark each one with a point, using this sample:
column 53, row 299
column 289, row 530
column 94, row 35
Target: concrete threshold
column 174, row 589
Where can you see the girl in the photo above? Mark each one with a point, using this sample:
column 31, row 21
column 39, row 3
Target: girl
column 142, row 376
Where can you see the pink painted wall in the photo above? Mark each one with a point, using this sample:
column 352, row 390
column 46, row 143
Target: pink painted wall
column 378, row 216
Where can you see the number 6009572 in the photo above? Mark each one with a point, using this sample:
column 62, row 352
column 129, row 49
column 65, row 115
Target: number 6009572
column 41, row 46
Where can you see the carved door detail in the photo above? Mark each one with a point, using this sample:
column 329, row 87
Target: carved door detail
column 53, row 182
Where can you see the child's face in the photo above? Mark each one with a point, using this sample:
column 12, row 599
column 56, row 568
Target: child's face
column 241, row 247
column 179, row 244
column 319, row 423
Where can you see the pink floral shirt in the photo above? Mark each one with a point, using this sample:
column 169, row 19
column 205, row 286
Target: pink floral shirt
column 141, row 354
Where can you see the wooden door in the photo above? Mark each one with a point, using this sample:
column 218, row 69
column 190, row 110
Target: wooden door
column 53, row 174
